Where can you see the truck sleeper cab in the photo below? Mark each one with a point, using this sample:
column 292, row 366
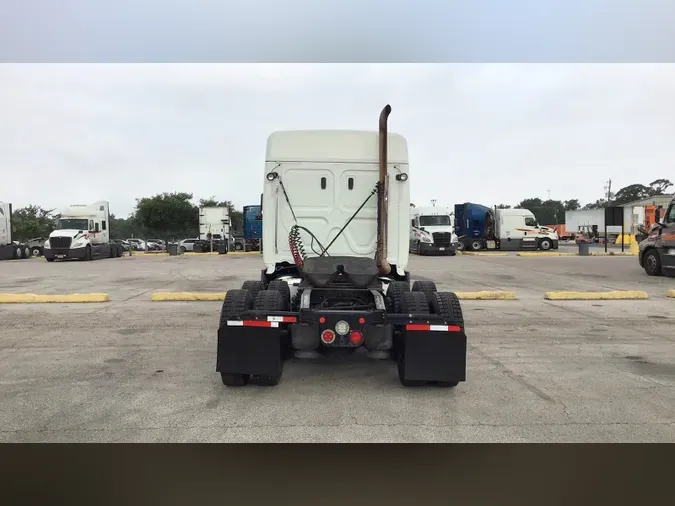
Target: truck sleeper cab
column 82, row 233
column 432, row 231
column 657, row 252
column 335, row 277
column 479, row 227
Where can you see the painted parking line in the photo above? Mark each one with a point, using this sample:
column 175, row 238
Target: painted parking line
column 72, row 298
column 616, row 295
column 186, row 296
column 486, row 295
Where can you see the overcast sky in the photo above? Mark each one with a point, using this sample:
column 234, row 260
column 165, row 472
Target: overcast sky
column 486, row 133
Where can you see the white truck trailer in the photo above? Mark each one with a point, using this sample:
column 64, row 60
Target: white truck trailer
column 10, row 249
column 585, row 219
column 432, row 231
column 335, row 279
column 214, row 229
column 82, row 232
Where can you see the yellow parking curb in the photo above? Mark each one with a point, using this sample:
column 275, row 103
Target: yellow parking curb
column 613, row 254
column 484, row 254
column 671, row 293
column 31, row 298
column 545, row 254
column 486, row 295
column 618, row 295
column 187, row 296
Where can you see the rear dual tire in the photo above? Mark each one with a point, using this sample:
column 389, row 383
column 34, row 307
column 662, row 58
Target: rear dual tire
column 425, row 299
column 253, row 296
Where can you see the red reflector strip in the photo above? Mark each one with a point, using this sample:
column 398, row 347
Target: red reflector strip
column 433, row 328
column 251, row 323
column 282, row 319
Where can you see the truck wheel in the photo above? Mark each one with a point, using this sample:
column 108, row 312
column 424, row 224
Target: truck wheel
column 395, row 294
column 269, row 300
column 238, row 246
column 447, row 305
column 545, row 244
column 285, row 291
column 476, row 245
column 25, row 252
column 253, row 287
column 235, row 303
column 461, row 246
column 37, row 252
column 424, row 286
column 652, row 263
column 87, row 253
column 234, row 380
column 183, row 249
column 415, row 303
column 17, row 253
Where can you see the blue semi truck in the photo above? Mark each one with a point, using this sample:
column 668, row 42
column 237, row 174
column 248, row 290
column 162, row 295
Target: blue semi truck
column 252, row 228
column 480, row 227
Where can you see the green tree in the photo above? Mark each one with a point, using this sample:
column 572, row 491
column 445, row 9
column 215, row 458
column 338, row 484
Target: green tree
column 236, row 217
column 124, row 228
column 168, row 215
column 572, row 205
column 31, row 222
column 659, row 186
column 503, row 206
column 630, row 193
column 598, row 204
column 547, row 212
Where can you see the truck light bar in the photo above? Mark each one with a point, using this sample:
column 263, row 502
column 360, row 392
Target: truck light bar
column 433, row 328
column 272, row 321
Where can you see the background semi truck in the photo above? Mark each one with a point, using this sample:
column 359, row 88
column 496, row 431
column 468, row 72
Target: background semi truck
column 10, row 249
column 252, row 224
column 483, row 228
column 336, row 228
column 432, row 231
column 83, row 233
column 214, row 229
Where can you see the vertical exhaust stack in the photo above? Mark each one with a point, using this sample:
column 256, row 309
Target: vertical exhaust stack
column 381, row 255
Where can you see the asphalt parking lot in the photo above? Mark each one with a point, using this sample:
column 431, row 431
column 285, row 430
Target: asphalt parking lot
column 132, row 370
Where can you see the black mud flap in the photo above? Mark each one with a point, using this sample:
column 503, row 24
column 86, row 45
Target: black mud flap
column 249, row 350
column 434, row 356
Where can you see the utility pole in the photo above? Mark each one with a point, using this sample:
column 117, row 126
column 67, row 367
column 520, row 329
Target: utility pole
column 433, row 202
column 549, row 194
column 608, row 189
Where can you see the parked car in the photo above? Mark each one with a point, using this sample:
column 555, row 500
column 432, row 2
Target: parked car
column 124, row 244
column 187, row 245
column 136, row 244
column 36, row 245
column 161, row 244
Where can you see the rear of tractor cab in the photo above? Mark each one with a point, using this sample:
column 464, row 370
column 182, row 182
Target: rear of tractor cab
column 340, row 303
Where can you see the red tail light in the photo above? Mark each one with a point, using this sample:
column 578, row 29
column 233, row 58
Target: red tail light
column 328, row 336
column 355, row 337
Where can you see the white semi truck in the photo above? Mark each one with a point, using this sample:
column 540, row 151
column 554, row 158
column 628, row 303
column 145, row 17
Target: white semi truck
column 82, row 232
column 10, row 249
column 479, row 227
column 432, row 231
column 214, row 229
column 335, row 279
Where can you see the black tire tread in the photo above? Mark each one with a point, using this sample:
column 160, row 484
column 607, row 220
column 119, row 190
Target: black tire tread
column 269, row 300
column 424, row 286
column 447, row 305
column 282, row 287
column 415, row 303
column 236, row 301
column 252, row 286
column 395, row 292
column 658, row 262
